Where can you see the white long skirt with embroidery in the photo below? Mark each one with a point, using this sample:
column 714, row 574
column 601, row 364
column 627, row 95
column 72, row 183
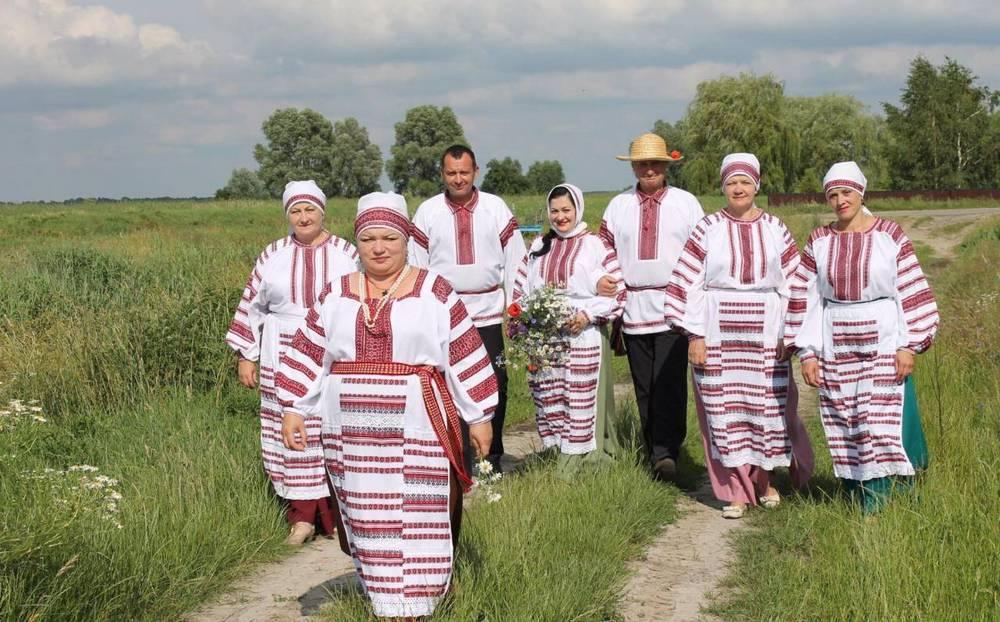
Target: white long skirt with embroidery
column 296, row 475
column 566, row 396
column 742, row 386
column 377, row 436
column 861, row 404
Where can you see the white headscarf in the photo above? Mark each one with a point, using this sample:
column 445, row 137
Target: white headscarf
column 382, row 209
column 577, row 196
column 740, row 164
column 303, row 192
column 845, row 175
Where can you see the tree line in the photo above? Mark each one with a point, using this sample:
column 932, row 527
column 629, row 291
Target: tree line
column 943, row 134
column 340, row 157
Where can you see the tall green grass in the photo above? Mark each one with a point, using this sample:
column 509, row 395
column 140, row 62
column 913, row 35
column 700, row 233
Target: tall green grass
column 930, row 555
column 112, row 316
column 549, row 550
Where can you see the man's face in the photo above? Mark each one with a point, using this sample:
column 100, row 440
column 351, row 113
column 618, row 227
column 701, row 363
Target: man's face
column 459, row 176
column 652, row 174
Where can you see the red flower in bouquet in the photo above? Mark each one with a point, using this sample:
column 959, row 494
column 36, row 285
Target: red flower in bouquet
column 514, row 310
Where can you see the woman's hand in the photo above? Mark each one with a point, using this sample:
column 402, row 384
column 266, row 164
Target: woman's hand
column 607, row 286
column 246, row 371
column 481, row 435
column 810, row 372
column 293, row 431
column 782, row 353
column 904, row 365
column 697, row 352
column 577, row 323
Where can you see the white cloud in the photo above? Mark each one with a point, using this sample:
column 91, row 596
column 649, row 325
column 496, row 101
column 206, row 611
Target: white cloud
column 381, row 24
column 55, row 42
column 843, row 17
column 864, row 66
column 74, row 119
column 635, row 84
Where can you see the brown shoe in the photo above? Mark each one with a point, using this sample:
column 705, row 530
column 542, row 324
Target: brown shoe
column 665, row 469
column 300, row 533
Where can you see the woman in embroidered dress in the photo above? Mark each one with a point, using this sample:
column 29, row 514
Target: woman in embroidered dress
column 286, row 281
column 729, row 294
column 860, row 310
column 574, row 402
column 390, row 360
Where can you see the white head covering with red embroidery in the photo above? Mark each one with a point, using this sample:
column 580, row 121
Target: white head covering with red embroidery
column 845, row 175
column 745, row 164
column 382, row 209
column 303, row 192
column 576, row 195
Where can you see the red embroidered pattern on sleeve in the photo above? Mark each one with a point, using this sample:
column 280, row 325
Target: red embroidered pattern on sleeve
column 303, row 344
column 508, row 231
column 420, row 237
column 484, row 389
column 474, row 369
column 464, row 345
column 441, row 289
column 605, row 234
column 458, row 313
column 298, row 366
column 242, row 331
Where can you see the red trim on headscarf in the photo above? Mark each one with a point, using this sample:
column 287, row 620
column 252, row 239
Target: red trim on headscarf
column 841, row 183
column 382, row 217
column 305, row 197
column 740, row 168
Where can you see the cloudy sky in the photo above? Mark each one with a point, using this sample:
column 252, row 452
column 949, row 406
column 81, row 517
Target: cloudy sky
column 149, row 98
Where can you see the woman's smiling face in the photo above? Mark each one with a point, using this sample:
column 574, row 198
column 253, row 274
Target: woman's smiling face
column 562, row 214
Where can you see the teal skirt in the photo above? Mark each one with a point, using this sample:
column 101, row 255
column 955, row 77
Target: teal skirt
column 873, row 494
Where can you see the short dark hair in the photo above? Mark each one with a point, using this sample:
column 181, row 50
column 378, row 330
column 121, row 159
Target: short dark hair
column 457, row 151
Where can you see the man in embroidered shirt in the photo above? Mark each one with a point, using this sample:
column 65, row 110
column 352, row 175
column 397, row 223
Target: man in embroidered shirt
column 472, row 239
column 648, row 227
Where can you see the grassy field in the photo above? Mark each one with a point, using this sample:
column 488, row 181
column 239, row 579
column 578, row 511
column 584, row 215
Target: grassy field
column 130, row 479
column 111, row 358
column 932, row 555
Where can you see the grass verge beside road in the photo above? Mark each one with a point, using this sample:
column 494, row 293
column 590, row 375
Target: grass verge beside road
column 931, row 555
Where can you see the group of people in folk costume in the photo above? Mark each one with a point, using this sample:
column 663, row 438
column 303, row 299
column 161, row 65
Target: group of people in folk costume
column 380, row 368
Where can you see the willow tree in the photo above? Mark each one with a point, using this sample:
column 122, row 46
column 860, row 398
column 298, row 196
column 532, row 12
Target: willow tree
column 745, row 113
column 833, row 128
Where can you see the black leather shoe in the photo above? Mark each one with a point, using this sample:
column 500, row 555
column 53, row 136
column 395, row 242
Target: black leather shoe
column 665, row 469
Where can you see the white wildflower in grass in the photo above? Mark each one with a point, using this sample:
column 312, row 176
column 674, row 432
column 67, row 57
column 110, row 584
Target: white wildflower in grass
column 18, row 412
column 81, row 490
column 484, row 477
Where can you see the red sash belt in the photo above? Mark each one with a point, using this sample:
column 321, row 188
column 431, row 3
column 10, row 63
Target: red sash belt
column 449, row 435
column 481, row 291
column 642, row 288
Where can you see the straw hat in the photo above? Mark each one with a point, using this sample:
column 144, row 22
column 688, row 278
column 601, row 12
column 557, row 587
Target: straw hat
column 650, row 147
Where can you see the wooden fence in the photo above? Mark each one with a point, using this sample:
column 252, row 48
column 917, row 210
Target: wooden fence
column 800, row 198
